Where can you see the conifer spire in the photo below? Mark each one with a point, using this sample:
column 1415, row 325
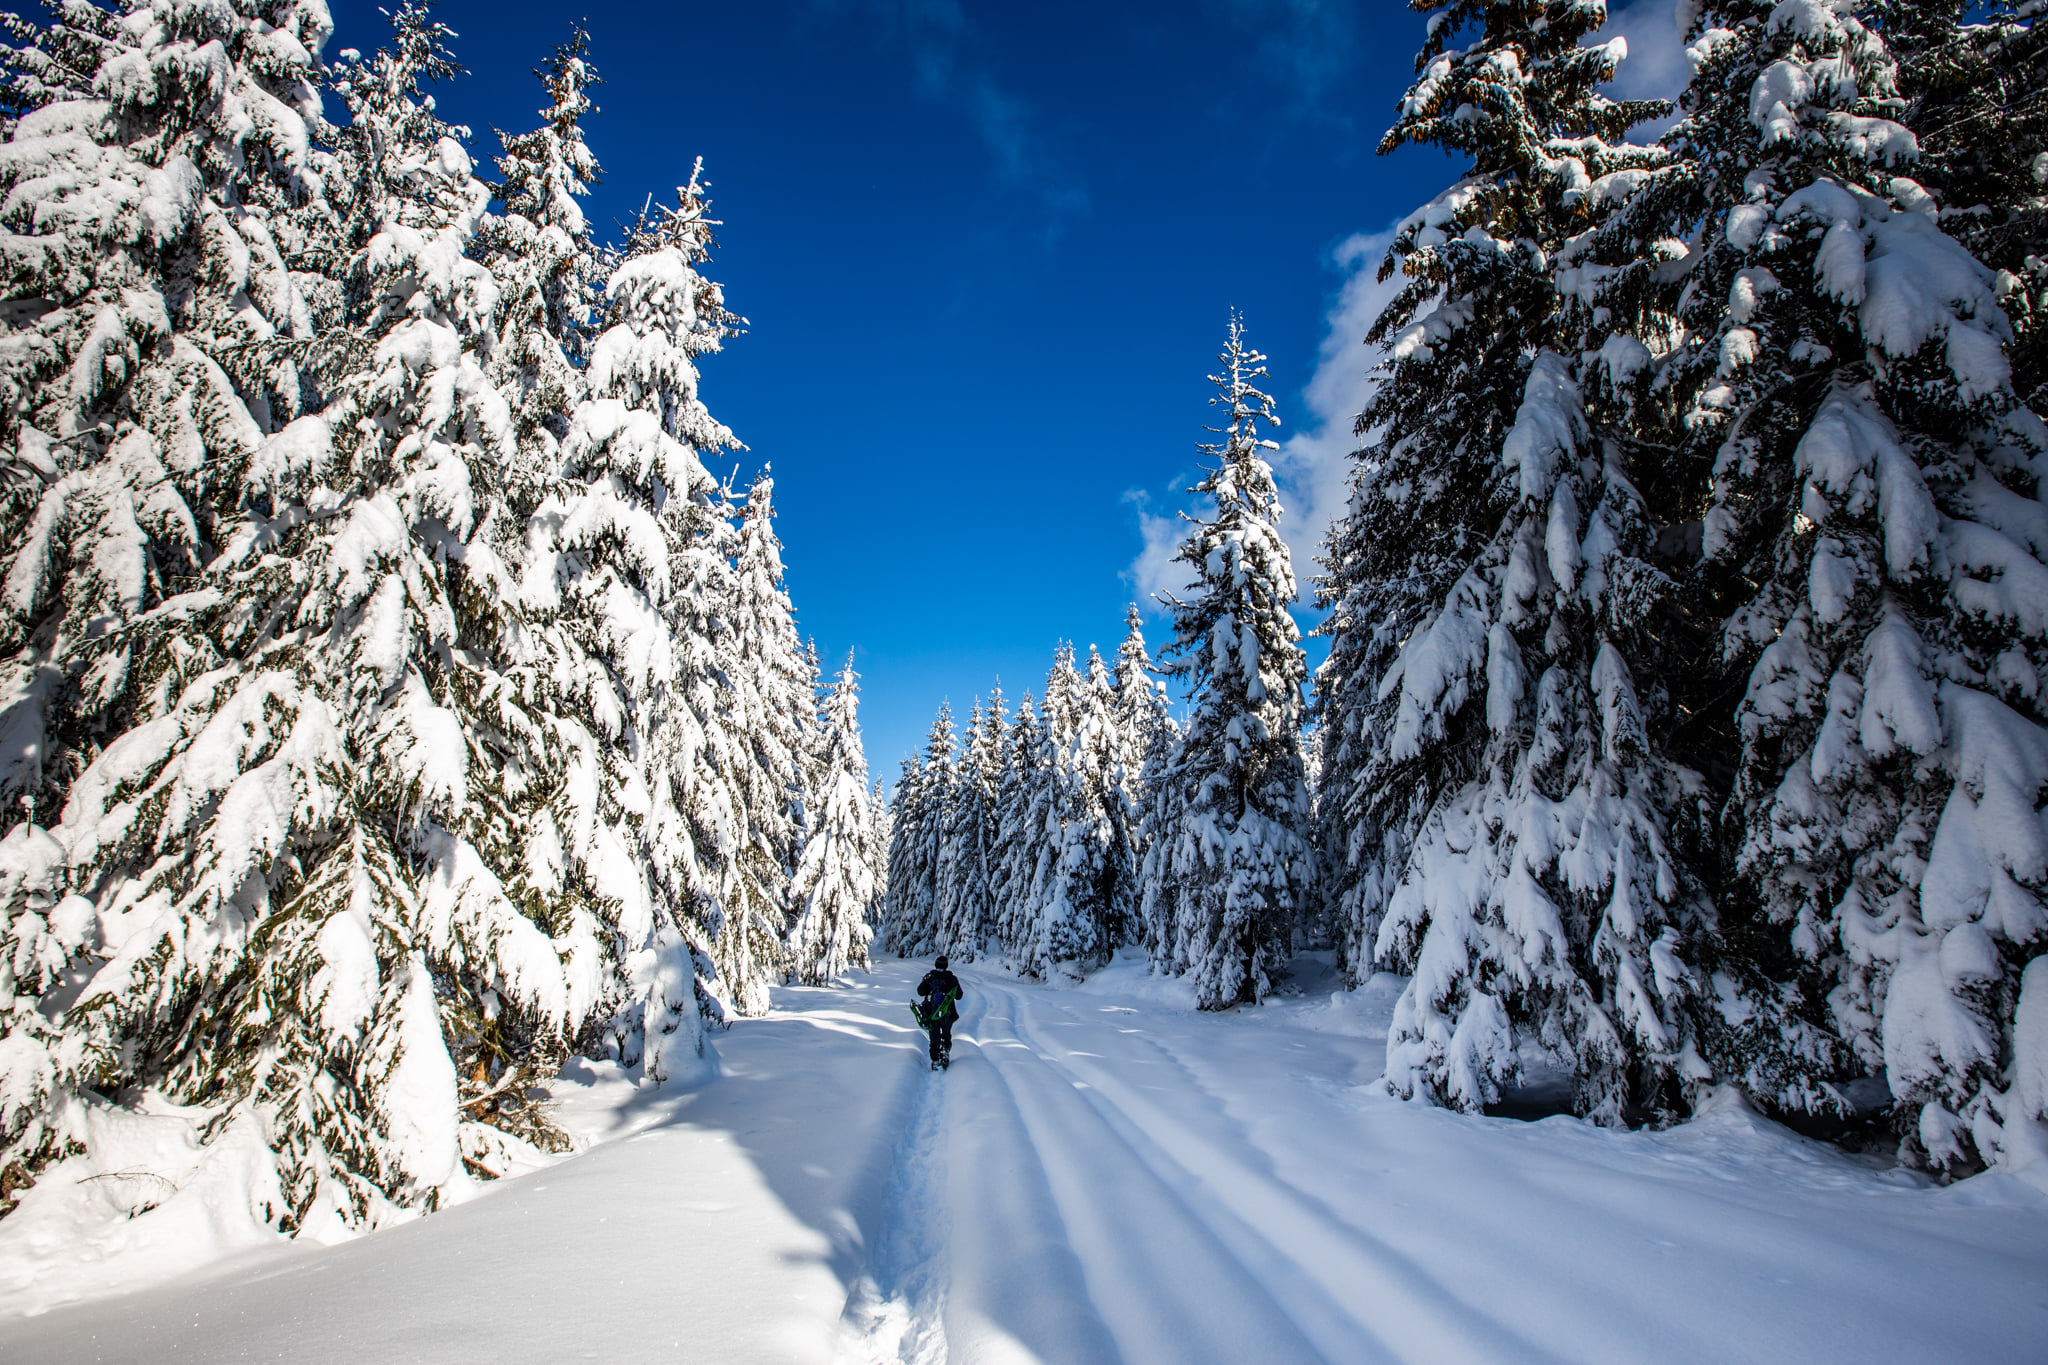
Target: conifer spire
column 550, row 269
column 1229, row 870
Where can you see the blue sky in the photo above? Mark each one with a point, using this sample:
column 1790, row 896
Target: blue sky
column 987, row 252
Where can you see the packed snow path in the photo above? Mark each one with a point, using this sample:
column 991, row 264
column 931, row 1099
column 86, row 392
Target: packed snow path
column 1103, row 1177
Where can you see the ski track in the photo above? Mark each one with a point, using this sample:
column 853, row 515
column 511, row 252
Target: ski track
column 1101, row 1179
column 1334, row 1281
column 1122, row 1209
column 1022, row 1296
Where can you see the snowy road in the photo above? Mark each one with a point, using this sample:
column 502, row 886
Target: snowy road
column 1104, row 1177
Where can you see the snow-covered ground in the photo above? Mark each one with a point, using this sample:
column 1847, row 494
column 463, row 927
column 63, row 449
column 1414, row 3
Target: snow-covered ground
column 1104, row 1175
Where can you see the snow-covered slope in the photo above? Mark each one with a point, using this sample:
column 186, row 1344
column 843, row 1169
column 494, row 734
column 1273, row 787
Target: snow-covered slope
column 1106, row 1175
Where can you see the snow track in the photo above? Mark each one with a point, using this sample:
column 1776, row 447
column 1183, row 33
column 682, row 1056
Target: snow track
column 1106, row 1177
column 894, row 1311
column 1125, row 1202
column 1268, row 1272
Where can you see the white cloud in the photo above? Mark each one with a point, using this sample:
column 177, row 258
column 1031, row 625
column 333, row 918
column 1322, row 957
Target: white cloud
column 1312, row 466
column 1155, row 572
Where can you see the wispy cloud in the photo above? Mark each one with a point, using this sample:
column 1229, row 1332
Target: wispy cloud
column 1313, row 465
column 949, row 66
column 1306, row 45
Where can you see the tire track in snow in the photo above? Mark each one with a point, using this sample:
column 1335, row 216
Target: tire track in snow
column 1197, row 1301
column 895, row 1313
column 1333, row 1276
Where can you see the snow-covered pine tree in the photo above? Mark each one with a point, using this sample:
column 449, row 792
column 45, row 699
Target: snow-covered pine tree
column 549, row 271
column 1489, row 774
column 922, row 814
column 1145, row 731
column 1065, row 824
column 881, row 824
column 768, row 670
column 1023, row 801
column 1084, row 882
column 1150, row 739
column 900, row 867
column 107, row 212
column 1460, row 340
column 697, row 829
column 1875, row 549
column 588, row 642
column 308, row 829
column 834, row 888
column 1159, row 880
column 810, row 754
column 1233, row 872
column 628, row 566
column 1496, row 817
column 1103, row 757
column 963, row 871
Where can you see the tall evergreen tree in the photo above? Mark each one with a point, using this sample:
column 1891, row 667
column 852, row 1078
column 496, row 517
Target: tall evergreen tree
column 1080, row 885
column 1232, row 873
column 810, row 751
column 1023, row 802
column 1478, row 304
column 922, row 814
column 881, row 828
column 835, row 885
column 127, row 254
column 1102, row 757
column 1149, row 738
column 768, row 670
column 1066, row 871
column 1144, row 719
column 627, row 569
column 665, row 313
column 307, row 816
column 901, row 868
column 1872, row 549
column 963, row 871
column 1497, row 820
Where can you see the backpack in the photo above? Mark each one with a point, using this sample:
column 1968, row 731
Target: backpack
column 931, row 1010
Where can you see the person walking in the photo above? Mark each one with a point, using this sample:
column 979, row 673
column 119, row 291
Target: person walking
column 939, row 995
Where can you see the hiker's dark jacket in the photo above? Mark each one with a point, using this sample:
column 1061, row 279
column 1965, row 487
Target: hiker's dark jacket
column 938, row 982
